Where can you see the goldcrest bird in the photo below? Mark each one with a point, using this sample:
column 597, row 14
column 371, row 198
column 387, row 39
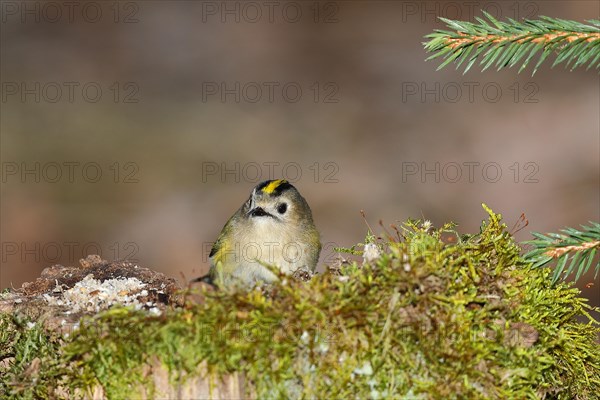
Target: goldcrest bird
column 273, row 228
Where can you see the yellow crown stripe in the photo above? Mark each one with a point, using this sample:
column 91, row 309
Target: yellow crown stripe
column 270, row 188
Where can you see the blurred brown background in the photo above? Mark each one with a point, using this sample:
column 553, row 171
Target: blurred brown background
column 135, row 129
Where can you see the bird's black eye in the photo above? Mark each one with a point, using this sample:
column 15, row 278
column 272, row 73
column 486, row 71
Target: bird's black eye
column 282, row 208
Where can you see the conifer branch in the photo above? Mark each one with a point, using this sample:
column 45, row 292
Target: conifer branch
column 580, row 246
column 505, row 44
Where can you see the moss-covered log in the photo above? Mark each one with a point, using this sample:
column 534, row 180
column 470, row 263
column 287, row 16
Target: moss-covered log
column 427, row 314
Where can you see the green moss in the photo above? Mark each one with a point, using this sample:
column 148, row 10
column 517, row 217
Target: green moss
column 437, row 315
column 29, row 367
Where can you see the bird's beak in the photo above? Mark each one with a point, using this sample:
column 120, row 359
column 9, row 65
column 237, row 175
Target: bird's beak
column 258, row 212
